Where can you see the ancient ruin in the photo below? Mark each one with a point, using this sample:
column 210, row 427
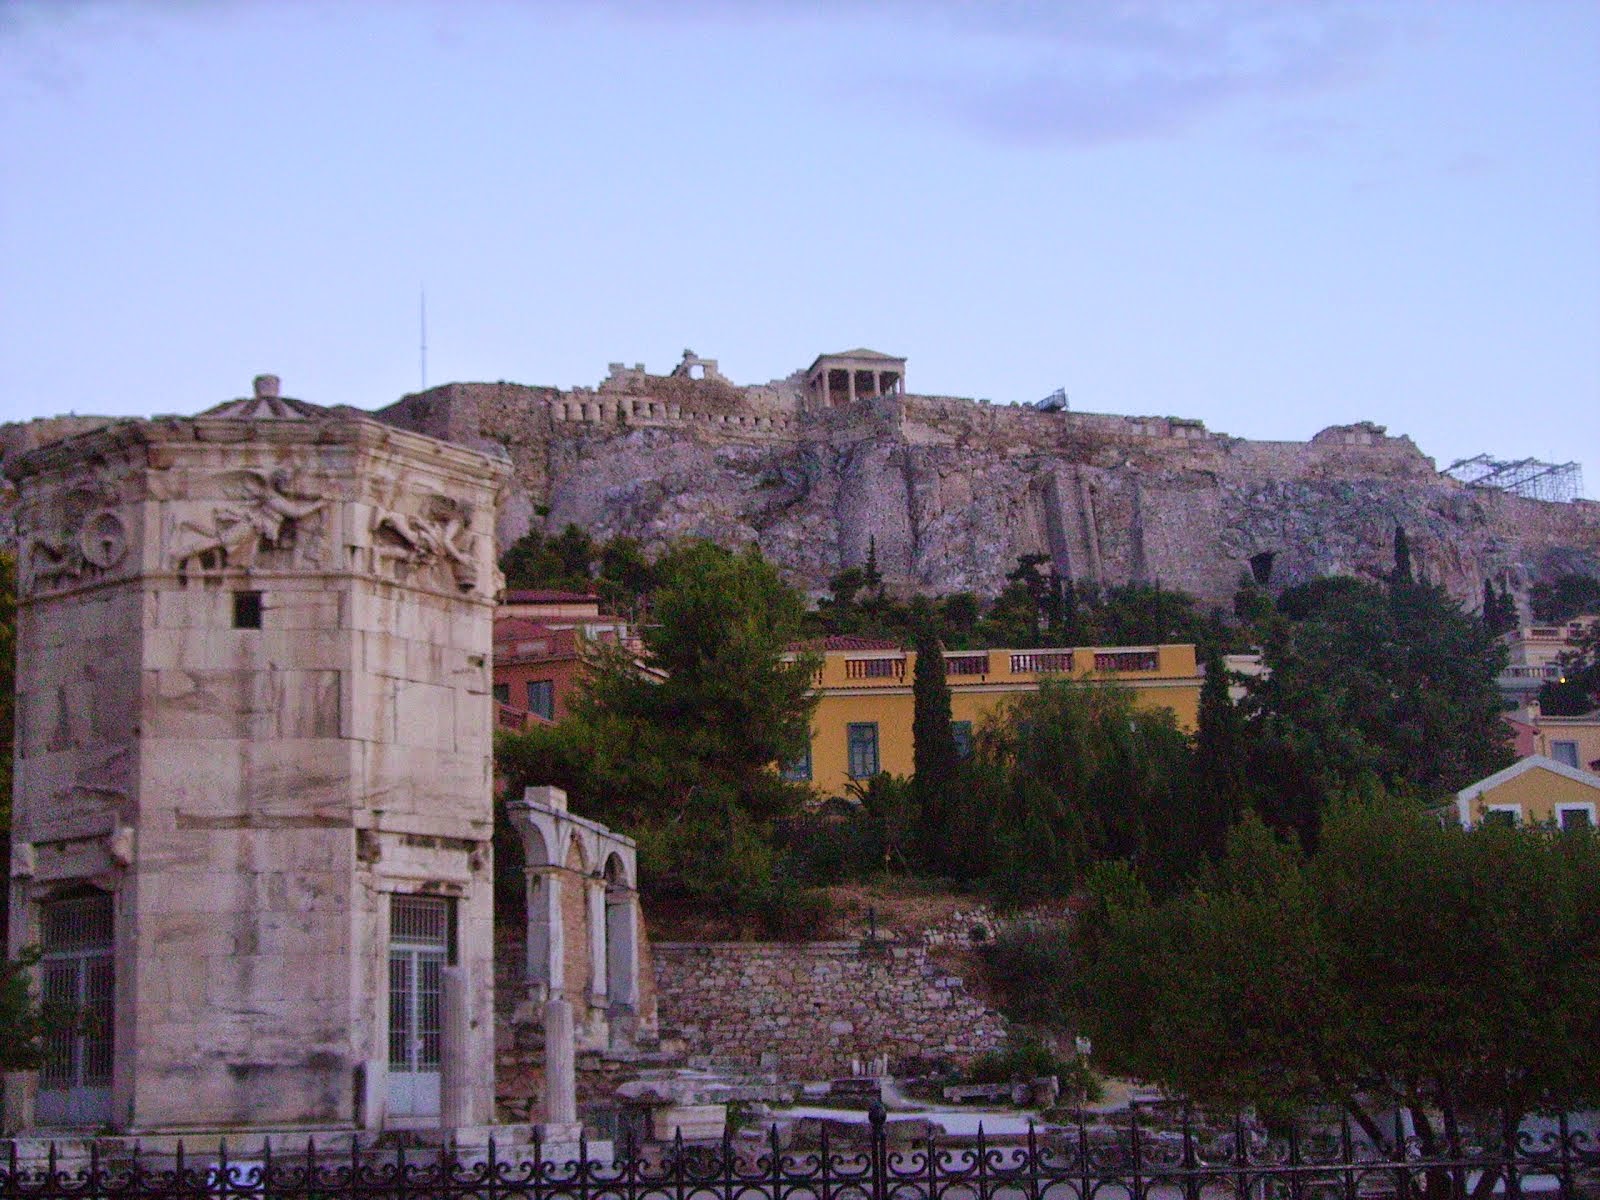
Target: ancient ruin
column 253, row 771
column 820, row 465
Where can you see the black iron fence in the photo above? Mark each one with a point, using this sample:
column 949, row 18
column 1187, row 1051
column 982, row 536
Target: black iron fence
column 882, row 1160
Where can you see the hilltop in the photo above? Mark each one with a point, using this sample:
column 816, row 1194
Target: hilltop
column 952, row 491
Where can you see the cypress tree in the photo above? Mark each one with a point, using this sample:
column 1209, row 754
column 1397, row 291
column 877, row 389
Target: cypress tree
column 936, row 764
column 1219, row 761
column 1402, row 557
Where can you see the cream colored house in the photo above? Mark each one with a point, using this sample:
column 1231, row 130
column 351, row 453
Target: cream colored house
column 1535, row 790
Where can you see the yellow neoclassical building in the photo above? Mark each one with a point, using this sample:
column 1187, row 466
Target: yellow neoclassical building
column 1532, row 791
column 863, row 720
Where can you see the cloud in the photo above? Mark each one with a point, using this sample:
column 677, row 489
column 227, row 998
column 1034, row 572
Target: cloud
column 1075, row 72
column 1120, row 72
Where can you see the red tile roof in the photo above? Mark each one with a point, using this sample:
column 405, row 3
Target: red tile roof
column 549, row 596
column 519, row 627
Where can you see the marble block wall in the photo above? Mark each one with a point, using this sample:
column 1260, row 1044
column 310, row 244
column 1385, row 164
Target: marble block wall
column 253, row 685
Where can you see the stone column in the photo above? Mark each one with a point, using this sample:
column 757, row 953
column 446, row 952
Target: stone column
column 596, row 896
column 560, row 1074
column 851, row 375
column 546, row 951
column 455, row 1090
column 622, row 949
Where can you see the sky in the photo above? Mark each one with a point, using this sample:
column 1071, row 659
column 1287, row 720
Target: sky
column 1273, row 217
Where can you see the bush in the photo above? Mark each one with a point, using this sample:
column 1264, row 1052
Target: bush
column 1030, row 967
column 1023, row 1057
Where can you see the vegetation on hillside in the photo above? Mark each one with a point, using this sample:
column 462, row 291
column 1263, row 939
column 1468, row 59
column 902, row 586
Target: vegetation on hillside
column 1372, row 686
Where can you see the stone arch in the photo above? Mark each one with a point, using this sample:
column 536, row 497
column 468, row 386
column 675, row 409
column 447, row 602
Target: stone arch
column 577, row 963
column 615, row 872
column 621, row 930
column 536, row 853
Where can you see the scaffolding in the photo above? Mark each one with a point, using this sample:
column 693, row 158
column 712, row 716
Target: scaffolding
column 1526, row 477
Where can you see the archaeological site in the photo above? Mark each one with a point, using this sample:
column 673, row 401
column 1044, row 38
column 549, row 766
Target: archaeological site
column 818, row 466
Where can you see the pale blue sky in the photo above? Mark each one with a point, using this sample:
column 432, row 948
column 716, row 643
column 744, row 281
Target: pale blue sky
column 1270, row 216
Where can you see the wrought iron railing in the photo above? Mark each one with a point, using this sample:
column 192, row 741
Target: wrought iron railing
column 1131, row 1162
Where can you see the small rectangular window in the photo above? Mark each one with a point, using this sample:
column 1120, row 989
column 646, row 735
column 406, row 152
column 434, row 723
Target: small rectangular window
column 502, row 693
column 1500, row 816
column 862, row 740
column 1565, row 752
column 1576, row 818
column 799, row 771
column 542, row 698
column 961, row 732
column 247, row 610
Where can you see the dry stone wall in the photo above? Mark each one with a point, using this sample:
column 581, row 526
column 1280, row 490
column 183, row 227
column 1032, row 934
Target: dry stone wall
column 813, row 1007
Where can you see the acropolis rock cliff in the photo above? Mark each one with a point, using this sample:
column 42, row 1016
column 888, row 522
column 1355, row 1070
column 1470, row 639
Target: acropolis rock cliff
column 952, row 491
column 817, row 466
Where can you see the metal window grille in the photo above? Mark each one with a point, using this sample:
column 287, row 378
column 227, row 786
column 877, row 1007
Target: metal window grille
column 76, row 940
column 419, row 944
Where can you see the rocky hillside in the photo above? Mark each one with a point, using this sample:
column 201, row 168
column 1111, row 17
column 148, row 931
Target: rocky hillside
column 951, row 491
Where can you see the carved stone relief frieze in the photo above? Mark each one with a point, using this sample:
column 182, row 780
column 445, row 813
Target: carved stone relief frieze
column 264, row 515
column 71, row 537
column 437, row 538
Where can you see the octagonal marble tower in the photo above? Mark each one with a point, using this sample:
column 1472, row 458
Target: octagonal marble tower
column 253, row 780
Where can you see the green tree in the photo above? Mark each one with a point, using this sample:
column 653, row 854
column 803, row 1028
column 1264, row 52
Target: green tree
column 936, row 763
column 1499, row 611
column 625, row 576
column 1402, row 557
column 1406, row 964
column 1220, row 758
column 1141, row 614
column 1565, row 597
column 677, row 749
column 23, row 1023
column 1578, row 691
column 537, row 560
column 1367, row 684
column 1067, row 776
